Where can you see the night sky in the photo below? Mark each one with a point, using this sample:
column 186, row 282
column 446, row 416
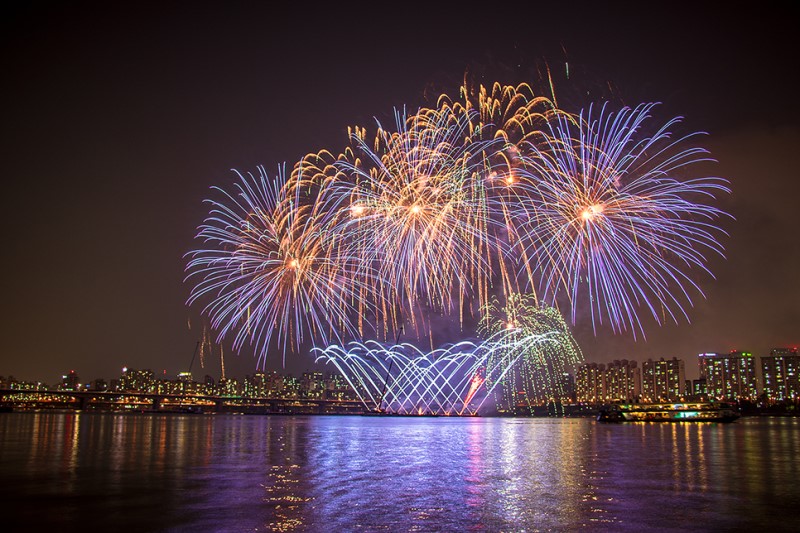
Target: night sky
column 119, row 116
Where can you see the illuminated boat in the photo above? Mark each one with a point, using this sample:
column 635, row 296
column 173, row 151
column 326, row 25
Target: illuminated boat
column 669, row 412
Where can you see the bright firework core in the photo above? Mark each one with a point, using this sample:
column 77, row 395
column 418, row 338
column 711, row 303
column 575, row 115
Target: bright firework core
column 592, row 211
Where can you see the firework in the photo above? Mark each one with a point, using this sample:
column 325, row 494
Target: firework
column 455, row 209
column 412, row 203
column 511, row 116
column 507, row 112
column 541, row 366
column 609, row 220
column 269, row 268
column 453, row 380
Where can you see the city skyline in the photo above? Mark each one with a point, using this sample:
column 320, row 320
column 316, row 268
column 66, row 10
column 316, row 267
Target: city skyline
column 124, row 167
column 693, row 372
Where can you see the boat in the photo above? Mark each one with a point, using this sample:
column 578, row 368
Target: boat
column 669, row 412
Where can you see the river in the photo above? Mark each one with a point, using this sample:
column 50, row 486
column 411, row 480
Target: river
column 72, row 471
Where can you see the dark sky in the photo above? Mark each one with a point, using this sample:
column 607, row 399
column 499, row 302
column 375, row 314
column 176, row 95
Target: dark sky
column 119, row 116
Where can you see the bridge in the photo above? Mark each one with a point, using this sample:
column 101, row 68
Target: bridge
column 148, row 402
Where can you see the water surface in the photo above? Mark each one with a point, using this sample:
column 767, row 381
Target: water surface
column 68, row 471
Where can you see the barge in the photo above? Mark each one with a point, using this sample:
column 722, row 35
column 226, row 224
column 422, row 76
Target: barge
column 669, row 412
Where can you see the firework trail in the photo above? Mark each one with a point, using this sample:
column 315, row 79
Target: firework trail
column 609, row 222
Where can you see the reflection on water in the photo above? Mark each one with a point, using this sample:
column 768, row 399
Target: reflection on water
column 70, row 471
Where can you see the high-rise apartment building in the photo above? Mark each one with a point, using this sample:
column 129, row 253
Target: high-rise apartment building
column 71, row 381
column 257, row 385
column 589, row 386
column 664, row 379
column 702, row 362
column 617, row 381
column 229, row 387
column 133, row 380
column 699, row 388
column 730, row 376
column 566, row 384
column 312, row 385
column 622, row 379
column 780, row 375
